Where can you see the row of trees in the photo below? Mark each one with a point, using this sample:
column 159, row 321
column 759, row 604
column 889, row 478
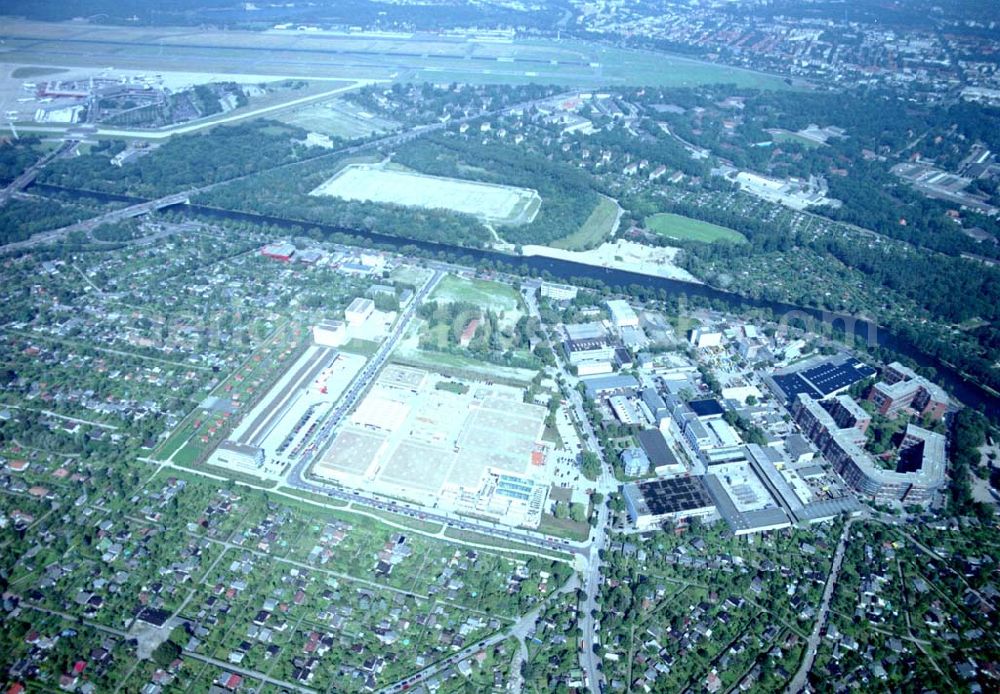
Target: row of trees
column 185, row 161
column 20, row 219
column 969, row 431
column 18, row 155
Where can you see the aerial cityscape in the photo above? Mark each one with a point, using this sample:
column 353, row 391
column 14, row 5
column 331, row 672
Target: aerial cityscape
column 508, row 346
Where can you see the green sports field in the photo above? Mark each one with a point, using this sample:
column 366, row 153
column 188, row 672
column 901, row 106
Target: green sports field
column 797, row 139
column 594, row 231
column 675, row 226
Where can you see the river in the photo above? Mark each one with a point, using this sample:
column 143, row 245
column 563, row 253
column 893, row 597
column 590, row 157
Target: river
column 967, row 392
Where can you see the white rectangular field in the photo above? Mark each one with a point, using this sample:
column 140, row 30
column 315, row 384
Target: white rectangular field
column 488, row 201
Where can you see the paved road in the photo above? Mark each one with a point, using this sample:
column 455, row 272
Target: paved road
column 90, row 224
column 518, row 630
column 359, row 385
column 799, row 681
column 183, row 196
column 252, row 674
column 605, row 484
column 297, row 476
column 25, row 179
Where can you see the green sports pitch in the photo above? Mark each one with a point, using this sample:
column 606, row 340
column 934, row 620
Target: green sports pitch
column 682, row 228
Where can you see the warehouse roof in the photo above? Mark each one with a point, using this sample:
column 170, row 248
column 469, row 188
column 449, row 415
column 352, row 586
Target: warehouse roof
column 656, row 448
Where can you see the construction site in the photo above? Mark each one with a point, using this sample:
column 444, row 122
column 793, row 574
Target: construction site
column 466, row 447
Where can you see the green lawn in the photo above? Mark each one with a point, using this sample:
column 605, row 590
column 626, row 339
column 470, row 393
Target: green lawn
column 309, row 496
column 410, row 274
column 400, row 519
column 675, row 226
column 33, row 71
column 489, row 295
column 564, row 527
column 460, row 366
column 188, row 455
column 438, row 334
column 364, row 348
column 594, row 231
column 797, row 139
column 500, row 545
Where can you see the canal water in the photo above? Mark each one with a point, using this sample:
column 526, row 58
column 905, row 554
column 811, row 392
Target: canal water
column 969, row 393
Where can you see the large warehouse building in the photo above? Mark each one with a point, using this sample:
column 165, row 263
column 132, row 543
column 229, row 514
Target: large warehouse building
column 667, row 501
column 474, row 449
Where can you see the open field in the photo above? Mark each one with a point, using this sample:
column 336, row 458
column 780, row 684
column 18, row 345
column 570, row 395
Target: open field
column 494, row 296
column 411, row 274
column 500, row 545
column 564, row 527
column 622, row 254
column 488, row 201
column 675, row 226
column 417, row 58
column 786, row 136
column 338, row 118
column 28, row 71
column 356, row 345
column 460, row 365
column 599, row 226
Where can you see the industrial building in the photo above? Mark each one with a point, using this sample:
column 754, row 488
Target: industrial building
column 657, row 451
column 585, row 331
column 558, row 292
column 752, row 495
column 359, row 310
column 702, row 338
column 706, row 409
column 655, row 407
column 823, row 380
column 622, row 315
column 275, row 431
column 624, row 410
column 233, row 454
column 598, row 386
column 670, row 501
column 634, row 339
column 278, row 251
column 588, row 350
column 635, row 462
column 330, row 333
column 478, row 452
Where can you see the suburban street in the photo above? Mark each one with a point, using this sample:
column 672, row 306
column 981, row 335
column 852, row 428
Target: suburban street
column 518, row 630
column 799, row 681
column 605, row 484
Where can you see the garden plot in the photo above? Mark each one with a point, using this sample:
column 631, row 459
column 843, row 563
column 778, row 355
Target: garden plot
column 492, row 203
